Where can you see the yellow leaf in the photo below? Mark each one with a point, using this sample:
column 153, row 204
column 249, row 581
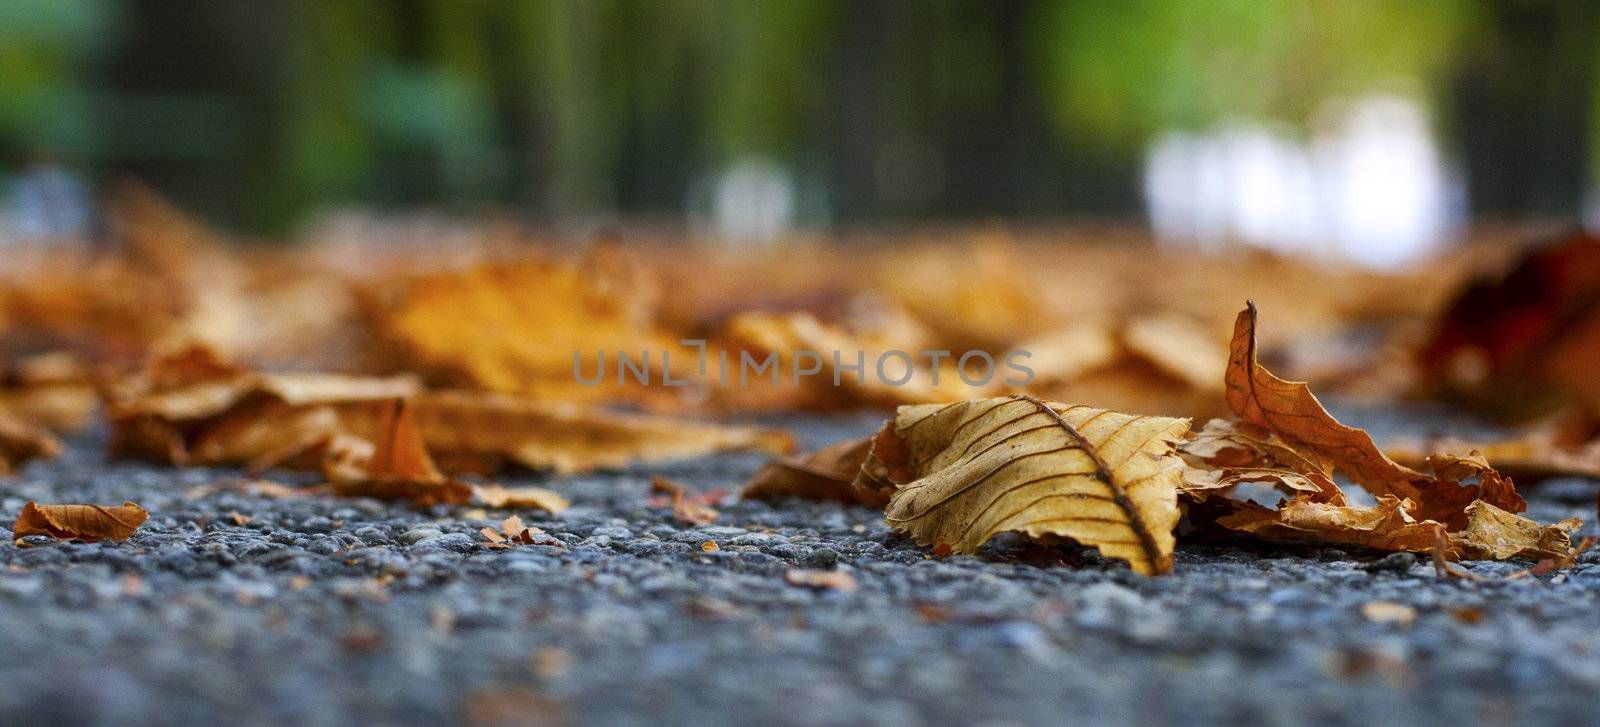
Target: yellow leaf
column 971, row 469
column 514, row 327
column 536, row 497
column 1494, row 533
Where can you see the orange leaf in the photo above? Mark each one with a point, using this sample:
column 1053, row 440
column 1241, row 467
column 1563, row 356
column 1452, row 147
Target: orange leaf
column 1387, row 526
column 398, row 468
column 87, row 523
column 1290, row 409
column 400, row 453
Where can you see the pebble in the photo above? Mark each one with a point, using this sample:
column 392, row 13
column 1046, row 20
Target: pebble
column 416, row 535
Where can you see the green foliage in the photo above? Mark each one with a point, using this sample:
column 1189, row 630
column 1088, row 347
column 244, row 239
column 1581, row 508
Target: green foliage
column 573, row 107
column 1122, row 69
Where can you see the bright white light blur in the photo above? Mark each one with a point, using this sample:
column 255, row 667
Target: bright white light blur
column 1369, row 186
column 754, row 200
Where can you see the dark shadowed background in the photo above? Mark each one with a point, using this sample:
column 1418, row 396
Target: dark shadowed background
column 1360, row 125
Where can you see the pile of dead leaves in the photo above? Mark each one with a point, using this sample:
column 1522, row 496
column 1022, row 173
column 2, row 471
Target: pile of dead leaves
column 412, row 376
column 952, row 476
column 192, row 407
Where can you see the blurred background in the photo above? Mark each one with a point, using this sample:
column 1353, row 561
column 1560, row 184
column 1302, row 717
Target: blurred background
column 1370, row 129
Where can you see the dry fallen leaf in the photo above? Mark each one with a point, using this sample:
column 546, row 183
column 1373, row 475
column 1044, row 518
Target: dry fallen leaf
column 21, row 442
column 516, row 327
column 1525, row 341
column 783, row 335
column 836, row 580
column 193, row 407
column 86, row 523
column 1291, row 410
column 971, row 469
column 398, row 468
column 693, row 510
column 1563, row 446
column 1495, row 533
column 826, row 474
column 1414, row 511
column 516, row 533
column 1226, row 453
column 498, row 496
column 1459, row 481
column 1158, row 362
column 251, row 487
column 564, row 437
column 987, row 293
column 54, row 390
column 1389, row 525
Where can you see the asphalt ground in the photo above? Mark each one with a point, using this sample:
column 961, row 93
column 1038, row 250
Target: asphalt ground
column 237, row 609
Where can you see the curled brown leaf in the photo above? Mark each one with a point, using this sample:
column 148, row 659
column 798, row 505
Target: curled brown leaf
column 829, row 473
column 1290, row 409
column 86, row 523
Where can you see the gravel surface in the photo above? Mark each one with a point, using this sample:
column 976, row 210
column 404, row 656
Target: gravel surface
column 322, row 611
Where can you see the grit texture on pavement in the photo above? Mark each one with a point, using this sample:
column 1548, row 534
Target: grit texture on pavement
column 236, row 609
